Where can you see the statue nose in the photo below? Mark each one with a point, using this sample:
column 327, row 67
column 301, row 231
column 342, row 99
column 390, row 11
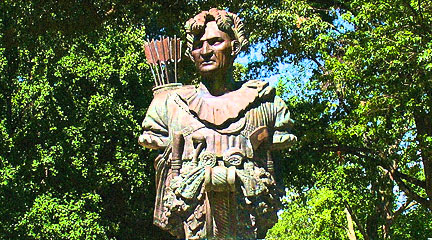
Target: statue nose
column 206, row 49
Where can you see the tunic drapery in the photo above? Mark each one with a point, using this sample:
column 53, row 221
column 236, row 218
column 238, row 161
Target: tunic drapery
column 228, row 127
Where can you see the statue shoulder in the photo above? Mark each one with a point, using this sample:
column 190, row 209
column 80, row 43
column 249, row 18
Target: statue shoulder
column 185, row 89
column 265, row 91
column 164, row 92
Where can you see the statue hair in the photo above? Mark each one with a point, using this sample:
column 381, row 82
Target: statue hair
column 227, row 22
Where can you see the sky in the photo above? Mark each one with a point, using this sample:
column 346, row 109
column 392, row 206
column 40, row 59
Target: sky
column 283, row 70
column 289, row 72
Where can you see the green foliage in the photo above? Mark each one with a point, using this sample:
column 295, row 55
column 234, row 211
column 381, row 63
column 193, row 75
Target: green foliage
column 415, row 225
column 363, row 119
column 63, row 218
column 74, row 86
column 318, row 215
column 240, row 72
column 70, row 165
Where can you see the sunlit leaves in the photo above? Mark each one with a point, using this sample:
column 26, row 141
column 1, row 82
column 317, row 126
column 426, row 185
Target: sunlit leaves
column 64, row 217
column 371, row 87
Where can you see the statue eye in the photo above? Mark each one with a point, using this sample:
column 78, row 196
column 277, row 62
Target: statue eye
column 197, row 45
column 215, row 41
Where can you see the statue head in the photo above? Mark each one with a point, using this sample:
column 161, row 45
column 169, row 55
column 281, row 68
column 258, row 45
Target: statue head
column 214, row 39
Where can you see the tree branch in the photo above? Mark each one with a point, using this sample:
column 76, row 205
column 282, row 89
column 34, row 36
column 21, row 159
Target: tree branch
column 394, row 174
column 410, row 179
column 408, row 204
column 348, row 149
column 320, row 66
column 407, row 190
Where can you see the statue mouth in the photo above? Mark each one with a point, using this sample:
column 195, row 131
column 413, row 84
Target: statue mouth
column 209, row 62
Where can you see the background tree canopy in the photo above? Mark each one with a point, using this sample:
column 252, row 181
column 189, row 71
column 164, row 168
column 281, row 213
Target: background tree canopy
column 74, row 87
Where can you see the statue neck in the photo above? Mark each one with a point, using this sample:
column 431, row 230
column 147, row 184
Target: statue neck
column 218, row 85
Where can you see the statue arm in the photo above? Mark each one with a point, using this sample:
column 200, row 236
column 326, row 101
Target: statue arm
column 282, row 137
column 155, row 126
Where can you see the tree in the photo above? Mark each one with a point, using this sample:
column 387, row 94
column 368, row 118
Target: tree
column 366, row 107
column 74, row 86
column 314, row 216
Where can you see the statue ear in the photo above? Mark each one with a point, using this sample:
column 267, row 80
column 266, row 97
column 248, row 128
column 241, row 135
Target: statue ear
column 236, row 47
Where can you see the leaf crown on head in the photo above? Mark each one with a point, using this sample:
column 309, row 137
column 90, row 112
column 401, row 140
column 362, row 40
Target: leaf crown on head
column 226, row 22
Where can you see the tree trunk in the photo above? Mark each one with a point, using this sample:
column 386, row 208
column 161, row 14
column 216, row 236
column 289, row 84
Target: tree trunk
column 350, row 230
column 424, row 130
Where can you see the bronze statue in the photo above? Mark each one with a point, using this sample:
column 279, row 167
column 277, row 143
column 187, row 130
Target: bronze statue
column 214, row 175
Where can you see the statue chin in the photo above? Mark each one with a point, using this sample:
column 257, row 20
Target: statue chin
column 212, row 72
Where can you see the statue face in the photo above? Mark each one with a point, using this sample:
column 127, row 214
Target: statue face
column 212, row 52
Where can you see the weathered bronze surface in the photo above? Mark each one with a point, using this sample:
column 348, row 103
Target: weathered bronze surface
column 214, row 174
